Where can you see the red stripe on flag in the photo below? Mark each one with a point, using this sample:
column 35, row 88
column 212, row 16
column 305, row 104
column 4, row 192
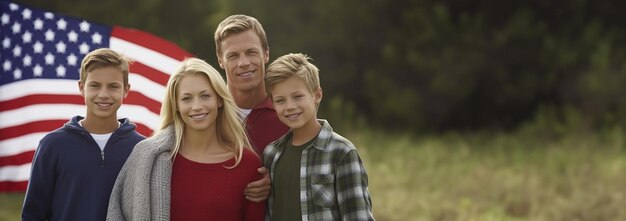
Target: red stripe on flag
column 18, row 159
column 50, row 125
column 140, row 99
column 134, row 97
column 149, row 73
column 40, row 99
column 9, row 186
column 142, row 129
column 150, row 41
column 31, row 127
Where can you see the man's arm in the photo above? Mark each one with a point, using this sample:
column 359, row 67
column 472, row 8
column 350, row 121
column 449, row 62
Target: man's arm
column 259, row 190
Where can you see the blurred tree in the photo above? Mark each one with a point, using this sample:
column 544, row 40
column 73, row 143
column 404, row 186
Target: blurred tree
column 420, row 64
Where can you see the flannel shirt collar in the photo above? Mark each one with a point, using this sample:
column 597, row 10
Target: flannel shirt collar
column 321, row 140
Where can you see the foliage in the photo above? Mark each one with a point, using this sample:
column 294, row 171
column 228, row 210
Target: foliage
column 422, row 65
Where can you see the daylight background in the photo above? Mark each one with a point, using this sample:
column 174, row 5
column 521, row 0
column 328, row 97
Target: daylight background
column 461, row 110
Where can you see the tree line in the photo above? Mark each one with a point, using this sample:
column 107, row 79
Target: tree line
column 420, row 65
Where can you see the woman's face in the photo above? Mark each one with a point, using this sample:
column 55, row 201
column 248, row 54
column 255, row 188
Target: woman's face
column 197, row 102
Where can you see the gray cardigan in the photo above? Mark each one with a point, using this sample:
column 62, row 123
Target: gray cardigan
column 142, row 189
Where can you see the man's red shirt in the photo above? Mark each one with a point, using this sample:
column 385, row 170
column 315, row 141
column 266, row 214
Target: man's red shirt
column 263, row 126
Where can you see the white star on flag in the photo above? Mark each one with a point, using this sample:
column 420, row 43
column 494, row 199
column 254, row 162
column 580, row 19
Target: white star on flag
column 49, row 59
column 96, row 38
column 6, row 43
column 71, row 59
column 5, row 19
column 60, row 71
column 16, row 28
column 37, row 71
column 60, row 47
column 84, row 26
column 84, row 48
column 26, row 38
column 17, row 74
column 49, row 35
column 38, row 47
column 26, row 14
column 38, row 24
column 17, row 51
column 61, row 24
column 27, row 60
column 72, row 36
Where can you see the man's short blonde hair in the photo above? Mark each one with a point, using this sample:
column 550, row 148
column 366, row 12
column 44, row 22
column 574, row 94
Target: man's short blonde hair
column 236, row 24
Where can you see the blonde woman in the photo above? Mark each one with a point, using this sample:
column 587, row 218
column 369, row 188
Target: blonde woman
column 198, row 164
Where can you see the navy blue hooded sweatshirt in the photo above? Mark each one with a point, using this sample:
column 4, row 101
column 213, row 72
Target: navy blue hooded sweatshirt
column 71, row 178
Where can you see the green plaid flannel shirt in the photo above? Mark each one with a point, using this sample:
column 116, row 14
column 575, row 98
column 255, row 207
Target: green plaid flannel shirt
column 333, row 180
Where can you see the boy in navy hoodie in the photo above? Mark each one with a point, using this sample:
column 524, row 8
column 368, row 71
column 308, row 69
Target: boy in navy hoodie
column 75, row 166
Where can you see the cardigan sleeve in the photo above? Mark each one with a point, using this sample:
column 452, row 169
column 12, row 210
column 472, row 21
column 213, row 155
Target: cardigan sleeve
column 114, row 212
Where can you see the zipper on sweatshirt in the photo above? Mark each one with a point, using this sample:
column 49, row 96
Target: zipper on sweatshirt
column 102, row 155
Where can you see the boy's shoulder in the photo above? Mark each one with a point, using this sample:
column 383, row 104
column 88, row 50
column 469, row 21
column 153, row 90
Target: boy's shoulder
column 57, row 139
column 61, row 133
column 336, row 142
column 331, row 140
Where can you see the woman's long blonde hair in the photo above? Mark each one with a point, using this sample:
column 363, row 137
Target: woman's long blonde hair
column 230, row 127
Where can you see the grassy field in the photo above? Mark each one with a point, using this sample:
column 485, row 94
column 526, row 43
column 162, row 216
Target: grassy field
column 497, row 177
column 483, row 177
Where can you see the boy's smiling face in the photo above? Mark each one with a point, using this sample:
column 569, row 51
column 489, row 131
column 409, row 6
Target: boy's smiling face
column 104, row 90
column 295, row 105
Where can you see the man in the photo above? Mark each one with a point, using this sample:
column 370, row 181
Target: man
column 242, row 51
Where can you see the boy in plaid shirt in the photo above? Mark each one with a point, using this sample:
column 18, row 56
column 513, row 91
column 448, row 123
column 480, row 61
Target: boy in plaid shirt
column 330, row 176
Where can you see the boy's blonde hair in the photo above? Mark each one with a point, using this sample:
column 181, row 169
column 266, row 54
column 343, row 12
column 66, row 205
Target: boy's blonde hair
column 235, row 24
column 104, row 57
column 230, row 129
column 294, row 64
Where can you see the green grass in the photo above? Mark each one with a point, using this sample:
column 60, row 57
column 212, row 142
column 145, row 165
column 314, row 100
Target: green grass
column 10, row 206
column 484, row 177
column 496, row 177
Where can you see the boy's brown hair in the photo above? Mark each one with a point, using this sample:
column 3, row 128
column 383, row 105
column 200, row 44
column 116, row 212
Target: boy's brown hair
column 294, row 64
column 104, row 57
column 235, row 24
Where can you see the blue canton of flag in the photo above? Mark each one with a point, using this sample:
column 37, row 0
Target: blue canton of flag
column 38, row 44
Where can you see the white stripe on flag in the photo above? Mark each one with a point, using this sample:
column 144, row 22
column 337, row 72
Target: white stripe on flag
column 15, row 173
column 39, row 112
column 139, row 114
column 21, row 144
column 153, row 59
column 145, row 86
column 140, row 84
column 38, row 86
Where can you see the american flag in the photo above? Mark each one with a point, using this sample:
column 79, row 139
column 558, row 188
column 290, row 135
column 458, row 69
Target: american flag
column 40, row 62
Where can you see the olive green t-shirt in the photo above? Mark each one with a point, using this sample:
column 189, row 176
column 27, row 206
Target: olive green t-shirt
column 287, row 183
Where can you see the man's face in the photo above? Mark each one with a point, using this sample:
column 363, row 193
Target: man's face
column 243, row 59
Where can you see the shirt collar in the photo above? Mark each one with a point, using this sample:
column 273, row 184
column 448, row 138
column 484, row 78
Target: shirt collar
column 267, row 103
column 321, row 140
